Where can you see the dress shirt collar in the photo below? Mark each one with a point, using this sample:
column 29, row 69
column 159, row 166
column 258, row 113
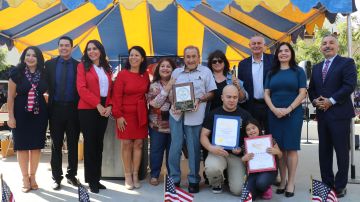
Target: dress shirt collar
column 330, row 59
column 62, row 61
column 196, row 69
column 253, row 61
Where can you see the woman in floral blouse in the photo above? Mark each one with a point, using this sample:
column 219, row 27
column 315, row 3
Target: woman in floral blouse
column 159, row 104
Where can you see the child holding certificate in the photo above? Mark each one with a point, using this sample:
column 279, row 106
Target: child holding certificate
column 259, row 183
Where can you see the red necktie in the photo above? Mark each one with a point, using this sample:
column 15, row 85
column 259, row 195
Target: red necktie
column 325, row 69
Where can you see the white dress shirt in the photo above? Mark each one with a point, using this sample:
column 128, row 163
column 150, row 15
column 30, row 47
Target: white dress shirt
column 258, row 78
column 103, row 81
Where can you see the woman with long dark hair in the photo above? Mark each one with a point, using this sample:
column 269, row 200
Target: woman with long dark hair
column 159, row 104
column 28, row 113
column 285, row 88
column 130, row 111
column 94, row 87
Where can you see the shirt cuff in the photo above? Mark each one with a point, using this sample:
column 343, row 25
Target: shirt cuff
column 332, row 101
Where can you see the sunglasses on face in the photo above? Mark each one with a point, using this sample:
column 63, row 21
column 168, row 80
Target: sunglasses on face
column 220, row 61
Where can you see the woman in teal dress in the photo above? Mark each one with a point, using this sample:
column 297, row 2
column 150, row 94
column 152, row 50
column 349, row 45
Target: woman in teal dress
column 285, row 88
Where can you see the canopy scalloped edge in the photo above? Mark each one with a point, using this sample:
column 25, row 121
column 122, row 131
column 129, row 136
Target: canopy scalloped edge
column 333, row 6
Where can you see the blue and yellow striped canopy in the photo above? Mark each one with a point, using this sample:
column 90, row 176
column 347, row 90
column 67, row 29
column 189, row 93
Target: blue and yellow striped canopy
column 161, row 27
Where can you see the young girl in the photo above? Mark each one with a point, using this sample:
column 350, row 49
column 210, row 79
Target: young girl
column 259, row 183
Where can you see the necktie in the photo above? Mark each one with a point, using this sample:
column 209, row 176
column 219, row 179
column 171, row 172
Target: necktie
column 325, row 69
column 63, row 81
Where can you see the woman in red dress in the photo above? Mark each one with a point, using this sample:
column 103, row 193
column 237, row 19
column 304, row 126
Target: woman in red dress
column 130, row 111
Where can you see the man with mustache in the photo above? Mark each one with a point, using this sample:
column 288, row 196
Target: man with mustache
column 188, row 124
column 330, row 88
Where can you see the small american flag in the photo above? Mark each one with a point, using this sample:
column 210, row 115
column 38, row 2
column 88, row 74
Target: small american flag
column 6, row 194
column 83, row 194
column 246, row 195
column 175, row 194
column 322, row 193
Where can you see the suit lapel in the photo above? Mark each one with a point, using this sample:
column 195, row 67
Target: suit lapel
column 53, row 72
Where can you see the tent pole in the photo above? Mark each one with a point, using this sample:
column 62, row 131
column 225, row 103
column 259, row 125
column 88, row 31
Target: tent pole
column 353, row 179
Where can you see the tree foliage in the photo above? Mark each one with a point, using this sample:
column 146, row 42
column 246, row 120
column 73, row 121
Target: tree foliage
column 3, row 64
column 310, row 49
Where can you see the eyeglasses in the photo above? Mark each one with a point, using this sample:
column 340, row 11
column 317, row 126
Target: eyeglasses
column 220, row 61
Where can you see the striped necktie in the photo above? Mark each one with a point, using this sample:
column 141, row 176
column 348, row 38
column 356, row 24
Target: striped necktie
column 325, row 69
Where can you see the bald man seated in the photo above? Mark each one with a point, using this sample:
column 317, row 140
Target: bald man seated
column 219, row 158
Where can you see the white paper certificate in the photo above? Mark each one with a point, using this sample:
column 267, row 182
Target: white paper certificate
column 262, row 160
column 226, row 131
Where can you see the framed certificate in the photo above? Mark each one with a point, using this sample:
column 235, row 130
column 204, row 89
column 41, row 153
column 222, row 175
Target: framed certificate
column 226, row 131
column 184, row 98
column 262, row 160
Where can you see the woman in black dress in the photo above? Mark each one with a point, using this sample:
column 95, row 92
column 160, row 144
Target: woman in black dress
column 27, row 113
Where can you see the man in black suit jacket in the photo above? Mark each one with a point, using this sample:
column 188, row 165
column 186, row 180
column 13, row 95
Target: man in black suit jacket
column 63, row 114
column 252, row 71
column 331, row 84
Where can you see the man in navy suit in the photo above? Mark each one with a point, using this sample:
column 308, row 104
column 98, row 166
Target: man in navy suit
column 63, row 113
column 252, row 71
column 330, row 88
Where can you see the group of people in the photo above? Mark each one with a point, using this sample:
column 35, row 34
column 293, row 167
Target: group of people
column 266, row 94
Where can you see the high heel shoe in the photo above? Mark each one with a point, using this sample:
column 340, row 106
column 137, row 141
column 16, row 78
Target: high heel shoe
column 26, row 184
column 290, row 194
column 33, row 183
column 281, row 191
column 128, row 181
column 136, row 180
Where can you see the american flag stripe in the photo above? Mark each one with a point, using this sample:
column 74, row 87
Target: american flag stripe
column 171, row 197
column 184, row 196
column 175, row 194
column 332, row 197
column 316, row 198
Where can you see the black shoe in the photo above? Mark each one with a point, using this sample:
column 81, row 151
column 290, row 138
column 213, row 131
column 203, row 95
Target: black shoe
column 73, row 181
column 56, row 185
column 341, row 192
column 280, row 191
column 94, row 188
column 290, row 194
column 101, row 186
column 193, row 188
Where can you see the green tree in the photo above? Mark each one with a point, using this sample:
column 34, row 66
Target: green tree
column 3, row 64
column 310, row 49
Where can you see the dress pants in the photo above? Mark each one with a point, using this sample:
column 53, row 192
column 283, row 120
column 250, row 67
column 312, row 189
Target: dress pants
column 64, row 119
column 93, row 127
column 334, row 134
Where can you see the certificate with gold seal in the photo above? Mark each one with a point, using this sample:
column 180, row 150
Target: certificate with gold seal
column 226, row 131
column 262, row 160
column 184, row 98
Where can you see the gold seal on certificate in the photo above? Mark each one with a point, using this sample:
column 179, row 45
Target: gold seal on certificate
column 184, row 98
column 262, row 160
